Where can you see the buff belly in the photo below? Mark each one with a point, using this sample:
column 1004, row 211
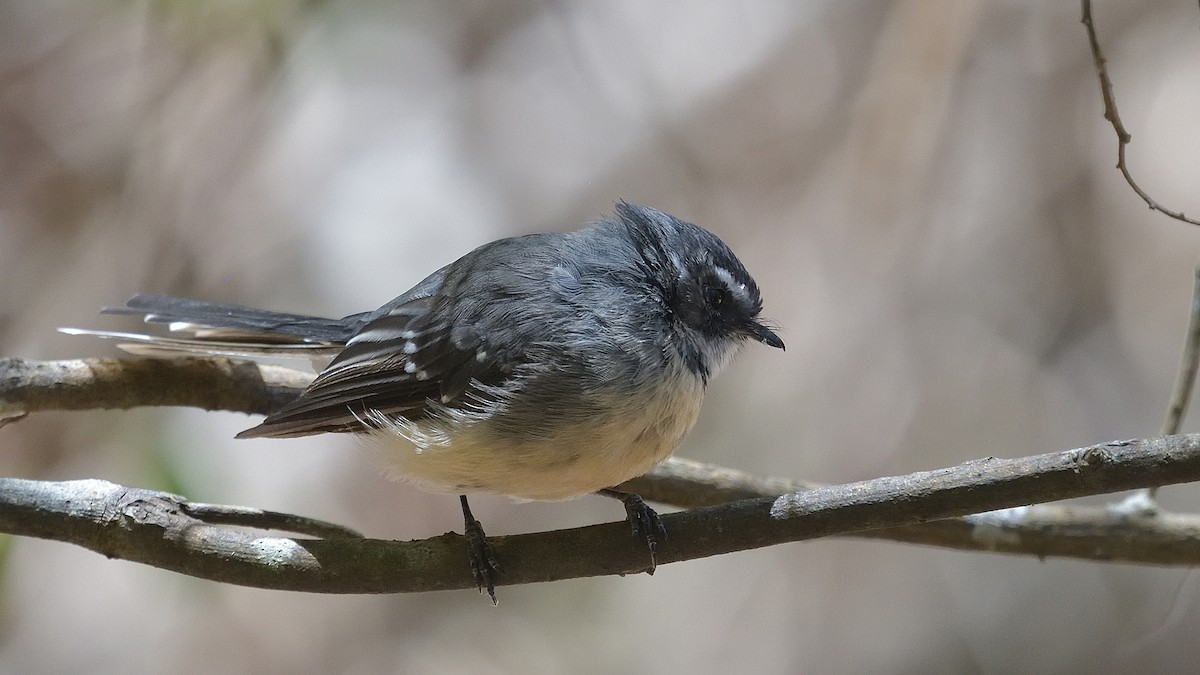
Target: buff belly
column 572, row 461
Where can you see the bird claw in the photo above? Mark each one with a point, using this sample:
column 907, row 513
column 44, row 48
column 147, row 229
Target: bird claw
column 643, row 520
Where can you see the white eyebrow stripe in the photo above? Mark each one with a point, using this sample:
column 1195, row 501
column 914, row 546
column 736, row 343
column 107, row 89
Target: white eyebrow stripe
column 733, row 285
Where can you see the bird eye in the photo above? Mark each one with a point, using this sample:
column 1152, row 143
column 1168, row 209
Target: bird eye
column 716, row 296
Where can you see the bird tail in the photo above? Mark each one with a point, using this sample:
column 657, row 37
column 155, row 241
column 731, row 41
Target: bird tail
column 226, row 330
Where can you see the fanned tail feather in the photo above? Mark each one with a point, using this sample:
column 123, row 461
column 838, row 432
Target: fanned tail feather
column 142, row 344
column 246, row 321
column 226, row 330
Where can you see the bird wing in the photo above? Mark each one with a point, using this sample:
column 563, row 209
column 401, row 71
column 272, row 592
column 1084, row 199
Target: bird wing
column 408, row 354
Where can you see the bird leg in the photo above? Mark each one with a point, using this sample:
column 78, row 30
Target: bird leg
column 643, row 519
column 483, row 563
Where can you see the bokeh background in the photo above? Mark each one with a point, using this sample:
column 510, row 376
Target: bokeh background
column 924, row 190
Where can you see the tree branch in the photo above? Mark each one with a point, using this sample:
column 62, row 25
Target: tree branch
column 1110, row 114
column 1044, row 530
column 155, row 528
column 217, row 383
column 92, row 384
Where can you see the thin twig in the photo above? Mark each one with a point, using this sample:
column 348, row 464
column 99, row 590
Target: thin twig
column 1110, row 114
column 1185, row 381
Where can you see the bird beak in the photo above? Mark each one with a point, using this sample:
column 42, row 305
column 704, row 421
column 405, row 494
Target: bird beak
column 765, row 335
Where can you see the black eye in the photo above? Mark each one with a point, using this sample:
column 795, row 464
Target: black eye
column 716, row 296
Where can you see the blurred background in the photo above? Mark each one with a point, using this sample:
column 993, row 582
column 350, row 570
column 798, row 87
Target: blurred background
column 924, row 190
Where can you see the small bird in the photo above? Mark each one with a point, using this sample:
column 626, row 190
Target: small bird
column 542, row 367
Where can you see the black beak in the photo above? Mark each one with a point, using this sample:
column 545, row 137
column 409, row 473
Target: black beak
column 765, row 335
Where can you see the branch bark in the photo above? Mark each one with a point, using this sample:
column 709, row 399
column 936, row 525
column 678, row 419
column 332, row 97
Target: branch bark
column 155, row 528
column 1108, row 534
column 166, row 531
column 119, row 384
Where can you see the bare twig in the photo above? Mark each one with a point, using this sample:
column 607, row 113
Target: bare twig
column 155, row 528
column 1185, row 382
column 1110, row 114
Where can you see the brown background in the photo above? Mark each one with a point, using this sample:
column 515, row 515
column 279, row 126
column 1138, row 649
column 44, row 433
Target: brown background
column 924, row 191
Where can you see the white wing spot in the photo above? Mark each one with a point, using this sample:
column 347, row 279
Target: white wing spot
column 481, row 357
column 410, row 367
column 410, row 347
